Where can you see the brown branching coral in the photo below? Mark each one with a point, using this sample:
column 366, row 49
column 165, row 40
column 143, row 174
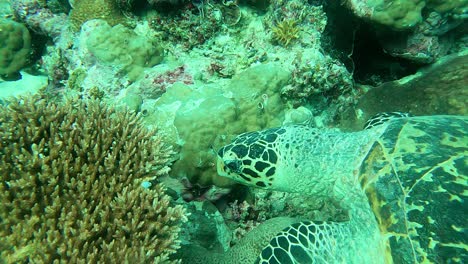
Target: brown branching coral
column 71, row 189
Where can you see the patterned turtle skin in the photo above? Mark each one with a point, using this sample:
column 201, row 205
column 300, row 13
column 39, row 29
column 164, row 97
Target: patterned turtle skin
column 382, row 118
column 403, row 183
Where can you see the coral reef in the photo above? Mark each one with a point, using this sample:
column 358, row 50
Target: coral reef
column 398, row 14
column 121, row 47
column 75, row 186
column 39, row 18
column 310, row 19
column 318, row 79
column 201, row 72
column 417, row 30
column 285, row 31
column 108, row 10
column 317, row 75
column 431, row 39
column 15, row 46
column 243, row 220
column 199, row 120
column 191, row 26
column 101, row 56
column 153, row 84
column 205, row 228
column 437, row 89
column 216, row 108
column 56, row 65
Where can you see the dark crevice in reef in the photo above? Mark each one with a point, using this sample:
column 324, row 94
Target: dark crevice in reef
column 372, row 64
column 357, row 44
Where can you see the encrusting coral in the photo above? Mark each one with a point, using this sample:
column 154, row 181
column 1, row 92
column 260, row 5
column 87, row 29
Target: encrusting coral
column 74, row 186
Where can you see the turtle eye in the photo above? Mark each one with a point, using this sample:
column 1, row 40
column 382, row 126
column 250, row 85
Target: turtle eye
column 234, row 165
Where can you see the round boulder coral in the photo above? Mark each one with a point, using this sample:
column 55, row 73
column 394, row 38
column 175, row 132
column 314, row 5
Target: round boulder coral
column 15, row 46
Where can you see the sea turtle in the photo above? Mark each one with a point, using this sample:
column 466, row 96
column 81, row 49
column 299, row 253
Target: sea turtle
column 403, row 183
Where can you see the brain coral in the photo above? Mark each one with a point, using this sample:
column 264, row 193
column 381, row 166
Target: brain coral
column 71, row 191
column 84, row 10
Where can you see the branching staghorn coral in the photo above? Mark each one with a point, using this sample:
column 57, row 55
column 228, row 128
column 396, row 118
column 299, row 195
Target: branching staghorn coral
column 71, row 190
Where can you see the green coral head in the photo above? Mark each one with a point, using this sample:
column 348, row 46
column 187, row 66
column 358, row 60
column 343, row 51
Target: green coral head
column 15, row 47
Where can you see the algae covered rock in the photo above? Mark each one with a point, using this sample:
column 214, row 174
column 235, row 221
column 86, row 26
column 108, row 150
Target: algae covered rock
column 205, row 227
column 15, row 46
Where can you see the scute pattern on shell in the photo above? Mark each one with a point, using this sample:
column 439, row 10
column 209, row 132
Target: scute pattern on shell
column 415, row 178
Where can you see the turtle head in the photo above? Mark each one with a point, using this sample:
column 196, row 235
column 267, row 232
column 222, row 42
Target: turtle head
column 250, row 159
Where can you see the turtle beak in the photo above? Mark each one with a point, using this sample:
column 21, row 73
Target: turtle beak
column 221, row 167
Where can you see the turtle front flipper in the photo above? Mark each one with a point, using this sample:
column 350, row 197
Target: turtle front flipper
column 317, row 242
